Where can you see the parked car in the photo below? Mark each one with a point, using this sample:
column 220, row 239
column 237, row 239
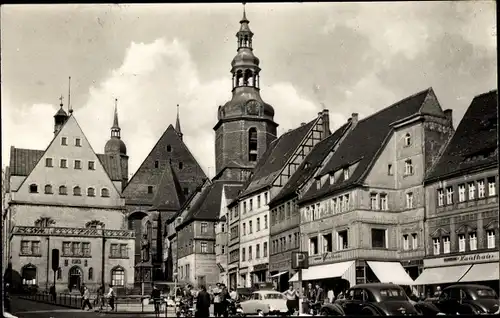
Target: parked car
column 463, row 299
column 265, row 302
column 373, row 299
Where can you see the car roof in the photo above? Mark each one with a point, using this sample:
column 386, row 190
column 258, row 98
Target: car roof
column 266, row 292
column 376, row 286
column 475, row 286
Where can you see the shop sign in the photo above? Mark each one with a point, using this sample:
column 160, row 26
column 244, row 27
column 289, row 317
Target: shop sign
column 324, row 258
column 260, row 267
column 462, row 259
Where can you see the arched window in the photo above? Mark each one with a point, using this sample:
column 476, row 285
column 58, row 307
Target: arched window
column 91, row 192
column 28, row 274
column 239, row 78
column 245, row 41
column 104, row 192
column 91, row 273
column 77, row 191
column 33, row 188
column 247, row 77
column 252, row 144
column 118, row 276
column 48, row 189
column 63, row 190
column 181, row 165
column 407, row 140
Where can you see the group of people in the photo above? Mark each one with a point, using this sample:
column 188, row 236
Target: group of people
column 314, row 298
column 219, row 296
column 100, row 299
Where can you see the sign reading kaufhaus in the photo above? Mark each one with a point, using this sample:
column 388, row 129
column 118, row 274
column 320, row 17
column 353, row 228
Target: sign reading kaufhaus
column 463, row 259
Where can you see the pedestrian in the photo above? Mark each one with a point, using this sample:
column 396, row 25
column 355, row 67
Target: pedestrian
column 331, row 296
column 52, row 292
column 156, row 297
column 217, row 300
column 438, row 291
column 291, row 296
column 86, row 298
column 6, row 298
column 233, row 294
column 225, row 299
column 111, row 297
column 202, row 303
column 99, row 299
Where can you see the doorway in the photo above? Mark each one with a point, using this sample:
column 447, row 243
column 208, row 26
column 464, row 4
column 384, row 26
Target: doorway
column 75, row 278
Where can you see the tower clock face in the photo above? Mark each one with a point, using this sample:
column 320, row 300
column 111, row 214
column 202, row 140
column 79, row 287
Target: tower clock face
column 253, row 107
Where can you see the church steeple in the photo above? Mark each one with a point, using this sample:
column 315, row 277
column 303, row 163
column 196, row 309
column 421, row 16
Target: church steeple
column 178, row 124
column 60, row 117
column 115, row 145
column 115, row 129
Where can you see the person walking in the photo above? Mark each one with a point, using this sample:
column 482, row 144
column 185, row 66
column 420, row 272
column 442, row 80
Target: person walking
column 99, row 299
column 156, row 297
column 217, row 300
column 52, row 292
column 225, row 299
column 111, row 297
column 202, row 303
column 86, row 298
column 291, row 299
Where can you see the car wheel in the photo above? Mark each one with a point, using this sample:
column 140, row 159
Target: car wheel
column 369, row 312
column 324, row 312
column 470, row 310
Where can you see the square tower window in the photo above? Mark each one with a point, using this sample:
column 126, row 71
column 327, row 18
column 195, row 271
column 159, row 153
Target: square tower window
column 252, row 144
column 157, row 164
column 150, row 189
column 169, row 148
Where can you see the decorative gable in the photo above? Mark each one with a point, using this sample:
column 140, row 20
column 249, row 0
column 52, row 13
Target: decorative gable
column 69, row 173
column 440, row 232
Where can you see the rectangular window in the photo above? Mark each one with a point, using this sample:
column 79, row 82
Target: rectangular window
column 461, row 242
column 258, row 224
column 76, row 246
column 48, row 162
column 204, row 227
column 346, row 173
column 389, row 170
column 257, row 251
column 313, row 245
column 473, row 241
column 78, row 164
column 244, row 207
column 346, row 202
column 150, row 189
column 440, row 195
column 243, row 254
column 406, row 242
column 35, row 248
column 63, row 163
column 157, row 164
column 64, row 141
column 327, row 243
column 409, row 200
column 373, row 201
column 461, row 192
column 265, row 221
column 124, row 250
column 25, row 247
column 342, row 240
column 334, row 205
column 414, row 241
column 408, row 167
column 78, row 142
column 491, row 187
column 436, row 246
column 86, row 249
column 91, row 165
column 250, row 205
column 332, row 178
column 449, row 195
column 244, row 229
column 66, row 248
column 480, row 189
column 446, row 244
column 250, row 254
column 250, row 230
column 258, row 201
column 472, row 190
column 265, row 249
column 204, row 247
column 379, row 238
column 265, row 197
column 490, row 235
column 383, row 202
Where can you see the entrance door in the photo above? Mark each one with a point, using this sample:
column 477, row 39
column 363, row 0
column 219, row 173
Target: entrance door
column 75, row 278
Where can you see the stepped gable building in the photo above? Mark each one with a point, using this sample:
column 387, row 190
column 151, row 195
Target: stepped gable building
column 461, row 232
column 285, row 221
column 244, row 130
column 362, row 218
column 158, row 189
column 67, row 197
column 272, row 172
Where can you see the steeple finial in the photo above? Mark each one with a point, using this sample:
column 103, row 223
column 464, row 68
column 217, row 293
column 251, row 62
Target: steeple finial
column 70, row 109
column 244, row 19
column 115, row 129
column 61, row 101
column 178, row 123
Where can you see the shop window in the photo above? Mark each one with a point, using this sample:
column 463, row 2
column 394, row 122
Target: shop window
column 379, row 238
column 118, row 276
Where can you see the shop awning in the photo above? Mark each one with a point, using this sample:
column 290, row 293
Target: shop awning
column 323, row 271
column 279, row 274
column 482, row 272
column 442, row 275
column 390, row 272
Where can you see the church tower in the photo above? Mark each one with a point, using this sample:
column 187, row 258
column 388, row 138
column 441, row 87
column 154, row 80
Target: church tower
column 59, row 118
column 245, row 126
column 116, row 146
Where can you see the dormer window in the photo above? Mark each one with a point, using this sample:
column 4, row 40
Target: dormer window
column 407, row 140
column 346, row 173
column 332, row 179
column 318, row 184
column 64, row 141
column 33, row 188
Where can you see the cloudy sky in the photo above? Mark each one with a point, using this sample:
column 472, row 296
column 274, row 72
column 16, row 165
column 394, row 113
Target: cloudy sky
column 347, row 57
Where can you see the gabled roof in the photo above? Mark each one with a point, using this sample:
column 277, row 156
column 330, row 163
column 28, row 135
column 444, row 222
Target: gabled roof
column 189, row 200
column 364, row 142
column 276, row 156
column 207, row 207
column 169, row 195
column 189, row 176
column 310, row 164
column 232, row 190
column 22, row 162
column 475, row 142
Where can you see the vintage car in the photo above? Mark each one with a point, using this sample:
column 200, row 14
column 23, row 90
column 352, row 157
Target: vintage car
column 373, row 299
column 264, row 302
column 462, row 299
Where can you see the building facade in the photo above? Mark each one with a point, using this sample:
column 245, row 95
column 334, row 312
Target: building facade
column 68, row 198
column 233, row 250
column 462, row 203
column 362, row 214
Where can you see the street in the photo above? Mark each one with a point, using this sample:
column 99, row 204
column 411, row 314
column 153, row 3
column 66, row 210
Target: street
column 29, row 309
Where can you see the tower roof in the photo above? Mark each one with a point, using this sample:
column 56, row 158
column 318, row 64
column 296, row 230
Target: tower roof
column 115, row 118
column 115, row 145
column 178, row 123
column 60, row 112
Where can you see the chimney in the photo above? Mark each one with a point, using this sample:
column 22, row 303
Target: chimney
column 289, row 130
column 326, row 122
column 354, row 118
column 449, row 115
column 302, row 124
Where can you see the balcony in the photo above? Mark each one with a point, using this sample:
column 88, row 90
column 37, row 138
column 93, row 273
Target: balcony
column 70, row 231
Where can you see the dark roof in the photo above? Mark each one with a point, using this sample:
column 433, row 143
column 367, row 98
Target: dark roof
column 474, row 143
column 23, row 161
column 310, row 164
column 273, row 160
column 232, row 191
column 191, row 197
column 190, row 175
column 169, row 195
column 364, row 142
